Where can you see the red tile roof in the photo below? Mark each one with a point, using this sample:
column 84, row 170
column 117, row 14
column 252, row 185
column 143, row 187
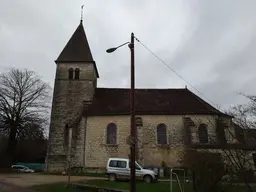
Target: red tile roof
column 114, row 101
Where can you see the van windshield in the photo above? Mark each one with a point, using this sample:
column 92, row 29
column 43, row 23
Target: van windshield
column 137, row 166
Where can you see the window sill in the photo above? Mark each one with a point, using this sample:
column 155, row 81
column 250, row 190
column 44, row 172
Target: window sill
column 110, row 145
column 166, row 146
column 208, row 143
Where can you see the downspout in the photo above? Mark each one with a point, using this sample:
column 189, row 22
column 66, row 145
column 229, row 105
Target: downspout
column 85, row 129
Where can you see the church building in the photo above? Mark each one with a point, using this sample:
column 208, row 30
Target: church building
column 89, row 124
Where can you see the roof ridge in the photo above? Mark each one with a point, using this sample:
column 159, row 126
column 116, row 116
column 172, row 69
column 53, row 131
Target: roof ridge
column 141, row 88
column 205, row 104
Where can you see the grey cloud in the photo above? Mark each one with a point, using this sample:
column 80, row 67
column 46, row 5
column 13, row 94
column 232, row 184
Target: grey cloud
column 210, row 43
column 234, row 75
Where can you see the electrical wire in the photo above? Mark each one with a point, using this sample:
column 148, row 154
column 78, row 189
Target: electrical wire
column 175, row 71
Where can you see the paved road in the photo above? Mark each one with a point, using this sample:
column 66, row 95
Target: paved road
column 7, row 187
column 20, row 182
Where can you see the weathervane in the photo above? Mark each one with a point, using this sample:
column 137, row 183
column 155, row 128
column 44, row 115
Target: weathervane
column 82, row 7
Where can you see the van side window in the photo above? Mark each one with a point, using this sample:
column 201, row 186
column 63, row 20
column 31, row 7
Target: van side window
column 117, row 164
column 113, row 163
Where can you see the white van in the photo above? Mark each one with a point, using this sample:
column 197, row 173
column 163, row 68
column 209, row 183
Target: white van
column 119, row 168
column 22, row 169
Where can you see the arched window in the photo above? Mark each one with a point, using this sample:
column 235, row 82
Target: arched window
column 70, row 73
column 111, row 133
column 254, row 158
column 203, row 133
column 161, row 133
column 77, row 73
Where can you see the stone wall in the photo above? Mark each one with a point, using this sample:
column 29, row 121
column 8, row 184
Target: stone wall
column 78, row 145
column 68, row 97
column 210, row 121
column 98, row 152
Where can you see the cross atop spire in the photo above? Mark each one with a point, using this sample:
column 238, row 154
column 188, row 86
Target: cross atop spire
column 82, row 7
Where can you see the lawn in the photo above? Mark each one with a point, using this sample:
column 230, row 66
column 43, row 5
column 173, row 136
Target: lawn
column 78, row 174
column 154, row 187
column 55, row 187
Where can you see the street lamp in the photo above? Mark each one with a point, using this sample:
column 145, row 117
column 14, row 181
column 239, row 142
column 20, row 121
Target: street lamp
column 110, row 50
column 132, row 112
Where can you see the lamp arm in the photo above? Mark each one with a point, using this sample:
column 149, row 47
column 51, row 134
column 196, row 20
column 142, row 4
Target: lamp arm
column 122, row 45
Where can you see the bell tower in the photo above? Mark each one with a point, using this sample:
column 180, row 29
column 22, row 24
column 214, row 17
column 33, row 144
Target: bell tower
column 75, row 83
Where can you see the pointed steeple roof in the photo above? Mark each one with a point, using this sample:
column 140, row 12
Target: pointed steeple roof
column 77, row 49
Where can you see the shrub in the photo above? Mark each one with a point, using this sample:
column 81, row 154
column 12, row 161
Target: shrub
column 207, row 169
column 166, row 169
column 247, row 175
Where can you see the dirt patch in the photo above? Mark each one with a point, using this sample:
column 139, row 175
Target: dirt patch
column 30, row 179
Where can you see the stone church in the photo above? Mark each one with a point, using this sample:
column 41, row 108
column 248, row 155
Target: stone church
column 89, row 124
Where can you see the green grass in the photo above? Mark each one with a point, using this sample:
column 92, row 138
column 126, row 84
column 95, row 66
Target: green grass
column 89, row 174
column 140, row 186
column 78, row 174
column 55, row 187
column 154, row 187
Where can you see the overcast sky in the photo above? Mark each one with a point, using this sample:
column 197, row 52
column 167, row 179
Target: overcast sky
column 212, row 44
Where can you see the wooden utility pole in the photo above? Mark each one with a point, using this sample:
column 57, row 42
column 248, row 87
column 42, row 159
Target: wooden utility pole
column 132, row 139
column 133, row 128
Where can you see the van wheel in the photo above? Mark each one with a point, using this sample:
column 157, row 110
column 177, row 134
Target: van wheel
column 147, row 179
column 112, row 177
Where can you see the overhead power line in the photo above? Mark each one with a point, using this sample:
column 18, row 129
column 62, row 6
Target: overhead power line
column 163, row 62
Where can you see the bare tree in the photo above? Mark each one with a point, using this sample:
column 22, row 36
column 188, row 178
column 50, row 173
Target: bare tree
column 237, row 153
column 238, row 161
column 206, row 167
column 24, row 100
column 251, row 106
column 235, row 143
column 240, row 142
